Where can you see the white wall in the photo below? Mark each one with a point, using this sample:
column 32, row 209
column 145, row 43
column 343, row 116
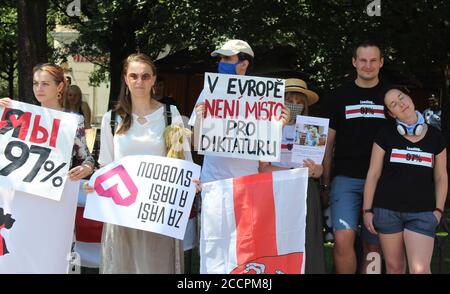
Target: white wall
column 79, row 71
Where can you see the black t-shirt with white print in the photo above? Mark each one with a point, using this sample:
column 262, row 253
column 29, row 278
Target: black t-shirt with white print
column 356, row 114
column 407, row 182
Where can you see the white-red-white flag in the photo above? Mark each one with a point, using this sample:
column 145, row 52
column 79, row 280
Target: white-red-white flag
column 254, row 224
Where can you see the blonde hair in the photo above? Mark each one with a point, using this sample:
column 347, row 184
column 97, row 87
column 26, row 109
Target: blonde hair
column 78, row 92
column 175, row 135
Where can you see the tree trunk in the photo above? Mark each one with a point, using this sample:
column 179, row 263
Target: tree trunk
column 32, row 20
column 121, row 46
column 10, row 73
column 11, row 84
column 115, row 66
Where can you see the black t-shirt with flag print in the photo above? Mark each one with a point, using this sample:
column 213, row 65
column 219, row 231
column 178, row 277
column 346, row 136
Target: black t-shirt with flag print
column 406, row 183
column 356, row 114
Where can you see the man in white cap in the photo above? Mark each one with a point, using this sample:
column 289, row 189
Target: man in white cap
column 236, row 57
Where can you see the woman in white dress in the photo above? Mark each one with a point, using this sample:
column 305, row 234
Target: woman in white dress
column 140, row 121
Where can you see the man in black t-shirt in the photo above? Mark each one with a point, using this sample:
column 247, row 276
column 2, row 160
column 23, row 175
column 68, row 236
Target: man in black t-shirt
column 356, row 113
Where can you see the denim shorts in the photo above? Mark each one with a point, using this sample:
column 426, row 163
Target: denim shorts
column 388, row 221
column 346, row 199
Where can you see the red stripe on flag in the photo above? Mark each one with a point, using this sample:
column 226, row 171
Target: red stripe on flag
column 1, row 241
column 87, row 230
column 254, row 210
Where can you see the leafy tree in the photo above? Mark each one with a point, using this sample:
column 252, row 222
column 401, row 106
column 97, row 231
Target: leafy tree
column 8, row 43
column 111, row 30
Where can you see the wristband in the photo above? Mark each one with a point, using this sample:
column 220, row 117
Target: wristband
column 89, row 166
column 368, row 210
column 439, row 210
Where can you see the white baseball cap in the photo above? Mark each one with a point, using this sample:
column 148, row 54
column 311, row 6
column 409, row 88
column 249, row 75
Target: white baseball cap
column 233, row 47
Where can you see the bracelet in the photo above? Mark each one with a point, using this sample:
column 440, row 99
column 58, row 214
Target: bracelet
column 439, row 210
column 368, row 210
column 89, row 166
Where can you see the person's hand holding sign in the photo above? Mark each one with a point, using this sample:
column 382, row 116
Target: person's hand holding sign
column 199, row 110
column 314, row 170
column 79, row 172
column 4, row 102
column 285, row 115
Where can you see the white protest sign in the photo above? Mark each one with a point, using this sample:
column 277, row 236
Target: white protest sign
column 144, row 192
column 242, row 117
column 35, row 148
column 36, row 233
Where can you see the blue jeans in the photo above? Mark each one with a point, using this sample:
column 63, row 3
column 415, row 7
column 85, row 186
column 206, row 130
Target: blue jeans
column 346, row 199
column 388, row 221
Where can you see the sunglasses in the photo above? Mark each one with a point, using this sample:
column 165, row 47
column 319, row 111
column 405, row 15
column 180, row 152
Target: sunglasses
column 135, row 77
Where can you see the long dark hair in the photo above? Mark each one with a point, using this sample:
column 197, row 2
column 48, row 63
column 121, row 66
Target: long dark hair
column 124, row 105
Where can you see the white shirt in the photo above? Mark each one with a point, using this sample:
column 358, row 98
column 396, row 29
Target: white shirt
column 140, row 139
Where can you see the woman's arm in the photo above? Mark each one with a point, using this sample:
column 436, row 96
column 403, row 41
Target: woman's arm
column 81, row 152
column 440, row 181
column 373, row 175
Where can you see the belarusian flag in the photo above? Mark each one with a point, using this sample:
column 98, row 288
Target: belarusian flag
column 254, row 224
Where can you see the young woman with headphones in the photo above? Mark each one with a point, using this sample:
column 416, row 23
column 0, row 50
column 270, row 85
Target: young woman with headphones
column 406, row 186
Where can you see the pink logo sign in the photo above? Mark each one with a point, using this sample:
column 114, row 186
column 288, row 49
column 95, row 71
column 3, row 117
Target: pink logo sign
column 117, row 184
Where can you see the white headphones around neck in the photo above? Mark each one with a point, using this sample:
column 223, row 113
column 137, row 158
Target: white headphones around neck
column 415, row 129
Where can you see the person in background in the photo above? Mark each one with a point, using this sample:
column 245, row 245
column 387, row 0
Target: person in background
column 406, row 187
column 433, row 113
column 74, row 103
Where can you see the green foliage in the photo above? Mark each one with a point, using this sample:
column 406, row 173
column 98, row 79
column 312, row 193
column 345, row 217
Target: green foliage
column 8, row 43
column 322, row 33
